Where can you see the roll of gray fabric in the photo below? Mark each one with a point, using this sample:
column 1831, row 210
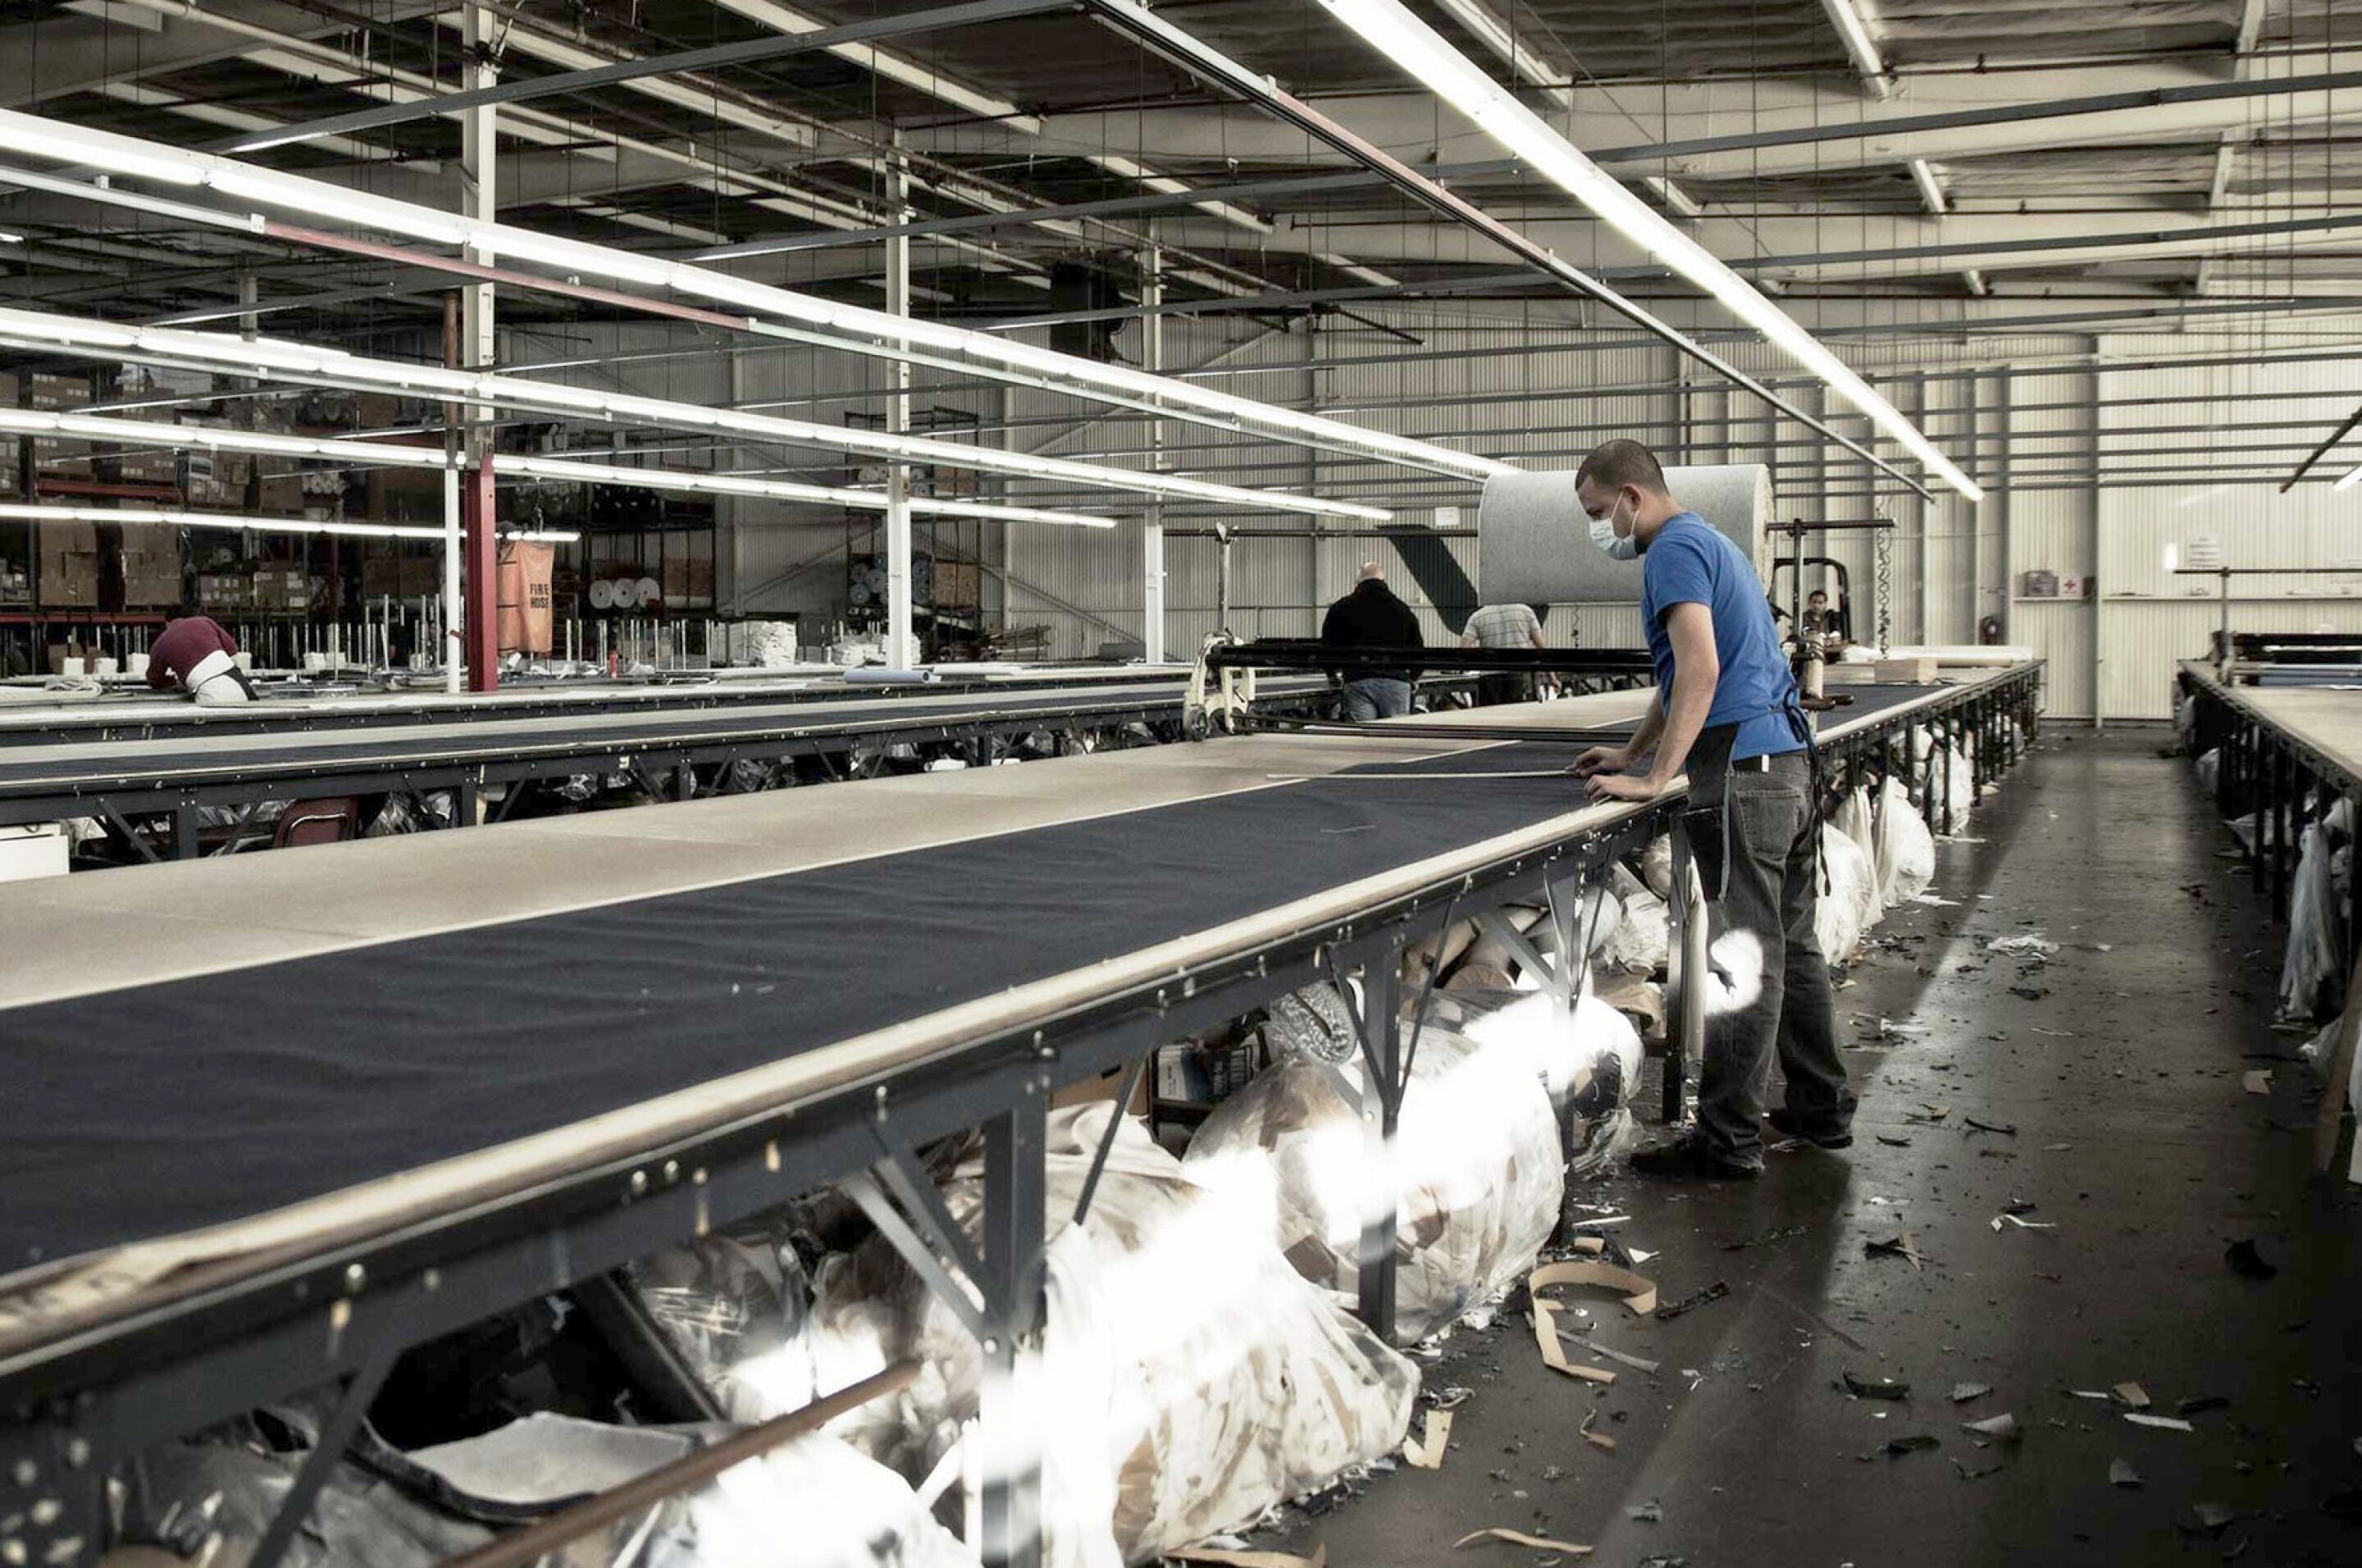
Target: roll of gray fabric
column 1534, row 545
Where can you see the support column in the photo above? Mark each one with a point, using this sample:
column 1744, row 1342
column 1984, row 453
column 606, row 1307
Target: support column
column 1151, row 535
column 482, row 629
column 474, row 632
column 1381, row 1060
column 898, row 420
column 1012, row 1406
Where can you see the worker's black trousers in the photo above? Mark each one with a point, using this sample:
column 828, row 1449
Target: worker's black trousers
column 1770, row 984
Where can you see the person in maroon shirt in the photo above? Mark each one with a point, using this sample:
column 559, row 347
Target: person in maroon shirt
column 194, row 654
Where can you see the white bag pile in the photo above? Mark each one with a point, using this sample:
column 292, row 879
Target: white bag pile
column 1477, row 1162
column 2311, row 979
column 1855, row 822
column 1905, row 856
column 1843, row 915
column 1639, row 941
column 1190, row 1379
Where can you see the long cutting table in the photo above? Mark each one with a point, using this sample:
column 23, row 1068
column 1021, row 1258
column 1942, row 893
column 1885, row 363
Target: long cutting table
column 95, row 763
column 269, row 1114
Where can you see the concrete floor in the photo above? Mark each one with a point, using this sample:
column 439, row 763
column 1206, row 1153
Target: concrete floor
column 2134, row 1139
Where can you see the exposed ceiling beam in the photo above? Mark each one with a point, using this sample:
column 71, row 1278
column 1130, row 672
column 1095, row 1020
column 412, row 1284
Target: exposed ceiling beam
column 2218, row 186
column 1852, row 29
column 586, row 70
column 892, row 67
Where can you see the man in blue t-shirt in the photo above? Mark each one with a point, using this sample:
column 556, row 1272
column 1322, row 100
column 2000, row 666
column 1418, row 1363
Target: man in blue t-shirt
column 1727, row 715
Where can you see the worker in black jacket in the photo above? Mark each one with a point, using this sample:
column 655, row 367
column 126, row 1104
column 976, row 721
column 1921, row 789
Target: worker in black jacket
column 1371, row 617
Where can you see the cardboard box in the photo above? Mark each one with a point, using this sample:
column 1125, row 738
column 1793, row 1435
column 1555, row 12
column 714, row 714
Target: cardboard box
column 150, row 578
column 958, row 583
column 66, row 455
column 55, row 392
column 421, row 576
column 676, row 580
column 700, row 579
column 1105, row 1087
column 1849, row 675
column 1905, row 671
column 69, row 578
column 226, row 590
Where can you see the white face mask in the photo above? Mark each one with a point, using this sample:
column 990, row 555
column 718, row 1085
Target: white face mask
column 1618, row 547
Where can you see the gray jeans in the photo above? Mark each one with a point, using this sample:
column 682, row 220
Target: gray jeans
column 1374, row 697
column 1765, row 917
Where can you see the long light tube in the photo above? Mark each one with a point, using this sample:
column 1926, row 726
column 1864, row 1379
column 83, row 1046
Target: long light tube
column 298, row 361
column 1930, row 193
column 2351, row 478
column 214, row 520
column 1418, row 48
column 146, row 433
column 780, row 490
column 271, row 187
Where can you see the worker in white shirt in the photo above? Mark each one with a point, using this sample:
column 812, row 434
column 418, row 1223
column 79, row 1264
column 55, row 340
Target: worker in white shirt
column 1504, row 626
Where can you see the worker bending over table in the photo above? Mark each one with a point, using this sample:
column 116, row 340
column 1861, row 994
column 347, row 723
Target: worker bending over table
column 1726, row 712
column 194, row 654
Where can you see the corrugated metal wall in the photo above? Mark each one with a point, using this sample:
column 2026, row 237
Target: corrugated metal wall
column 2062, row 444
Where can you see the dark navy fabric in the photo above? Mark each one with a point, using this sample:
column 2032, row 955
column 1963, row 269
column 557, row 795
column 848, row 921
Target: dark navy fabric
column 1691, row 563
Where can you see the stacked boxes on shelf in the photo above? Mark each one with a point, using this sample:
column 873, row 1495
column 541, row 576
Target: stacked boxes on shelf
column 68, row 563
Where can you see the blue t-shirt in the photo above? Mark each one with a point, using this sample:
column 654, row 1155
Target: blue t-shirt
column 1689, row 562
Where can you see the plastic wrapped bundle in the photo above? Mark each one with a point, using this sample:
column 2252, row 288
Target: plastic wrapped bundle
column 1639, row 940
column 1657, row 865
column 2309, row 973
column 1588, row 1061
column 1905, row 860
column 1842, row 918
column 2206, row 765
column 1311, row 1024
column 1190, row 1379
column 1478, row 1167
column 1854, row 820
column 736, row 1306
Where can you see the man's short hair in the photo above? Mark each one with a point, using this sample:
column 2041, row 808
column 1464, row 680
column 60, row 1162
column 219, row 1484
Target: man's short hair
column 1818, row 593
column 1615, row 464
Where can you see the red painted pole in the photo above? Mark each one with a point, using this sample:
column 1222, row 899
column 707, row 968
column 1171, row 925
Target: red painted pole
column 478, row 515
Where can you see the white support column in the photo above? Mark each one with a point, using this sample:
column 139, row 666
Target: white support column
column 479, row 198
column 899, row 625
column 1151, row 535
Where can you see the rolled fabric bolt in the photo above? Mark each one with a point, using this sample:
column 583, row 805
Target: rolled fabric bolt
column 135, row 663
column 71, row 666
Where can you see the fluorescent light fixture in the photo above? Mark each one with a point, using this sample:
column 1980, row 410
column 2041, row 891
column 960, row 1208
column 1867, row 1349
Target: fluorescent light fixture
column 7, row 238
column 540, row 536
column 1930, row 193
column 1186, row 400
column 66, row 329
column 214, row 520
column 318, row 198
column 573, row 255
column 2352, row 477
column 779, row 490
column 69, row 143
column 1860, row 47
column 238, row 355
column 1418, row 48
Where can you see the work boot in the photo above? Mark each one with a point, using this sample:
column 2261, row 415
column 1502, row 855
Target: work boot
column 1691, row 1158
column 1834, row 1131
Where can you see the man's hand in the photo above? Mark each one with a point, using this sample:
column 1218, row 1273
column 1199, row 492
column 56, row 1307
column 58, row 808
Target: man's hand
column 1601, row 759
column 1640, row 787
